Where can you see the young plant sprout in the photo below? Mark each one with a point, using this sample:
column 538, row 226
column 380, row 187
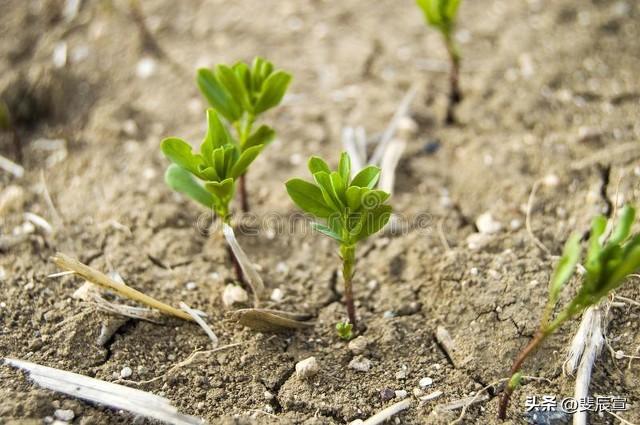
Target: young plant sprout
column 441, row 14
column 241, row 94
column 209, row 177
column 608, row 263
column 351, row 208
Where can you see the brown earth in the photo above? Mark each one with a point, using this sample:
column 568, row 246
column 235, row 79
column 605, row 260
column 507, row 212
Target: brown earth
column 551, row 88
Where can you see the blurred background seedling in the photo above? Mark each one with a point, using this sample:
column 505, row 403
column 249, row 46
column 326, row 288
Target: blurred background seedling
column 352, row 210
column 241, row 94
column 609, row 261
column 441, row 15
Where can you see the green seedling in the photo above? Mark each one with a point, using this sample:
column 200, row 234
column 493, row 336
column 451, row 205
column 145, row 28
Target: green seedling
column 240, row 94
column 345, row 330
column 441, row 15
column 352, row 210
column 609, row 261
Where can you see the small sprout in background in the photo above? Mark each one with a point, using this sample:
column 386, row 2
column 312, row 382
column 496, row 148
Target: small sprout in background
column 345, row 330
column 608, row 263
column 241, row 94
column 441, row 14
column 351, row 208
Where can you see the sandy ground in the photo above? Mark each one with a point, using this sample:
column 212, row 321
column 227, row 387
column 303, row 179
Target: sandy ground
column 551, row 92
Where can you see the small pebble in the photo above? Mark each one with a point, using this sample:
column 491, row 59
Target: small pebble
column 268, row 395
column 64, row 415
column 387, row 394
column 401, row 394
column 487, row 225
column 234, row 294
column 307, row 368
column 358, row 345
column 401, row 374
column 425, row 382
column 432, row 146
column 126, row 372
column 145, row 68
column 191, row 286
column 282, row 267
column 619, row 355
column 361, row 364
column 372, row 284
column 277, row 295
column 551, row 180
column 473, row 271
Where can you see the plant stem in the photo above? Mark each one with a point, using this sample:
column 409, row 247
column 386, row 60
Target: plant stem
column 348, row 262
column 244, row 198
column 455, row 95
column 226, row 218
column 517, row 364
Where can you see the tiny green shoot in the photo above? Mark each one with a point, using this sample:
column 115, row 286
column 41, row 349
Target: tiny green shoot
column 351, row 209
column 441, row 15
column 240, row 94
column 345, row 330
column 609, row 261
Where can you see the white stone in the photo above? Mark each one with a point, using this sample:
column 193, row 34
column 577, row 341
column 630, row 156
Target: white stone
column 307, row 368
column 126, row 372
column 282, row 267
column 619, row 354
column 425, row 382
column 146, row 67
column 358, row 345
column 361, row 364
column 191, row 285
column 551, row 180
column 268, row 395
column 234, row 294
column 400, row 394
column 277, row 295
column 487, row 225
column 476, row 241
column 66, row 415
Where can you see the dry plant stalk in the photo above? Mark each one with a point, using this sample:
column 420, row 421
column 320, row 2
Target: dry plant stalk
column 94, row 276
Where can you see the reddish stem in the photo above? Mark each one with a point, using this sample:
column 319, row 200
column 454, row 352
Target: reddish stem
column 244, row 198
column 517, row 364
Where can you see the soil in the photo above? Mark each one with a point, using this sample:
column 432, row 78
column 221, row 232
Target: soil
column 550, row 89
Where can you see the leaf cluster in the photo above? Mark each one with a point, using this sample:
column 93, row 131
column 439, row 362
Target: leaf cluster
column 237, row 94
column 352, row 208
column 609, row 261
column 239, row 89
column 440, row 14
column 218, row 164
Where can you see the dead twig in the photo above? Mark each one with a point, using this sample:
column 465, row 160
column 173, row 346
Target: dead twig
column 92, row 275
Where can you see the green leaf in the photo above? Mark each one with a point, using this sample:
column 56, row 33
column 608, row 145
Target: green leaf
column 208, row 173
column 217, row 136
column 629, row 265
column 326, row 231
column 317, row 164
column 344, row 167
column 243, row 73
column 256, row 76
column 373, row 198
column 374, row 220
column 328, row 193
column 339, row 187
column 263, row 136
column 246, row 158
column 222, row 190
column 592, row 263
column 217, row 96
column 451, row 9
column 367, row 177
column 431, row 9
column 179, row 152
column 623, row 229
column 273, row 90
column 565, row 268
column 308, row 197
column 354, row 197
column 344, row 330
column 218, row 162
column 182, row 181
column 234, row 86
